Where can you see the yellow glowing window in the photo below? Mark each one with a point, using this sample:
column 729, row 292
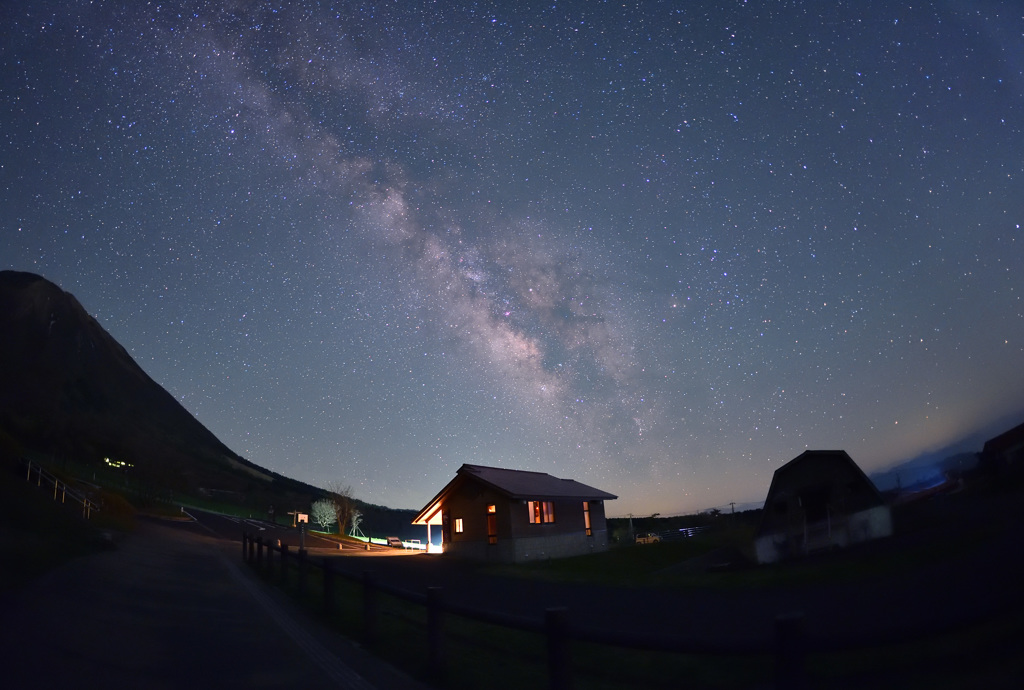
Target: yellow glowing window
column 541, row 511
column 492, row 525
column 458, row 525
column 586, row 518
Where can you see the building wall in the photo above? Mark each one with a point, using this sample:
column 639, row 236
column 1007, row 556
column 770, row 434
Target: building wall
column 568, row 518
column 519, row 540
column 559, row 546
column 864, row 525
column 470, row 503
column 873, row 523
column 525, row 549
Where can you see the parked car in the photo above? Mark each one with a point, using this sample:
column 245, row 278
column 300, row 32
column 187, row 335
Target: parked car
column 395, row 542
column 647, row 538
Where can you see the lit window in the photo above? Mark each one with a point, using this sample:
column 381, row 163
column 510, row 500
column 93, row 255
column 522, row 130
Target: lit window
column 541, row 511
column 458, row 525
column 586, row 518
column 492, row 525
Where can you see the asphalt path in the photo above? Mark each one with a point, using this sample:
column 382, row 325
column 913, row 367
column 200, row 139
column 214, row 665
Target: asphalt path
column 172, row 606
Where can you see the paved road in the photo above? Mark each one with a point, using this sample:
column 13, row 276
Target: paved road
column 171, row 608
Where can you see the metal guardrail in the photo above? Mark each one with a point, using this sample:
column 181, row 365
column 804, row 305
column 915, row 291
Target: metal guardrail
column 43, row 479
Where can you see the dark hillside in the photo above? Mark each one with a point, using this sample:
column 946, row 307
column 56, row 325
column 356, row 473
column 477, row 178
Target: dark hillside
column 70, row 393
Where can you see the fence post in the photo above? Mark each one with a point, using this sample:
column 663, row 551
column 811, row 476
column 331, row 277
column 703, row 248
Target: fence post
column 559, row 661
column 284, row 564
column 302, row 572
column 252, row 550
column 435, row 633
column 328, row 585
column 789, row 652
column 369, row 608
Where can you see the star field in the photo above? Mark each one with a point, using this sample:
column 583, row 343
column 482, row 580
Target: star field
column 660, row 248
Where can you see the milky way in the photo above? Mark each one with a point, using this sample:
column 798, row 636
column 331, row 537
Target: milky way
column 661, row 248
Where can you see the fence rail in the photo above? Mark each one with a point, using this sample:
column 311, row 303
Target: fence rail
column 34, row 472
column 788, row 647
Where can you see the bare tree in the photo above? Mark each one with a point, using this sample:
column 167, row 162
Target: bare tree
column 340, row 496
column 322, row 512
column 357, row 519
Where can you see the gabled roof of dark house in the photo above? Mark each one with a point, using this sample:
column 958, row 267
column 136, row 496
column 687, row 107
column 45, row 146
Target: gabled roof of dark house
column 1007, row 440
column 813, row 469
column 837, row 458
column 516, row 485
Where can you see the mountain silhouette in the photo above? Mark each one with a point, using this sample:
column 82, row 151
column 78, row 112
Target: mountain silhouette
column 70, row 393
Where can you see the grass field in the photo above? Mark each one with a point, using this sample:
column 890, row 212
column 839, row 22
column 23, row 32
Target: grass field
column 955, row 528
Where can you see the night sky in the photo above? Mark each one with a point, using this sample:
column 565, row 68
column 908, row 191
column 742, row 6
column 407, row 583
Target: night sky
column 658, row 247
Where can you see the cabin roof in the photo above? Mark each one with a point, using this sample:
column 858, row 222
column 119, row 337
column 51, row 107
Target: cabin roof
column 513, row 484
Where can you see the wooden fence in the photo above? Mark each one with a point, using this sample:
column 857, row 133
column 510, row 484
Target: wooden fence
column 788, row 648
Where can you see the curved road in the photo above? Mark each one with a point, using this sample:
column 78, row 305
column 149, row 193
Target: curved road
column 172, row 607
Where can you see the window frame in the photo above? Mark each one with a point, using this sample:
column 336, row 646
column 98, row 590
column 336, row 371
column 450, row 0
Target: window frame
column 492, row 523
column 540, row 512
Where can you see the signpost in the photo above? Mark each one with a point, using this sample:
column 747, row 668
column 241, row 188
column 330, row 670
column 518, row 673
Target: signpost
column 303, row 520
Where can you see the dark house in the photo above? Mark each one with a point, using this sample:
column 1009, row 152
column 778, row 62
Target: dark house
column 512, row 516
column 819, row 500
column 1004, row 454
